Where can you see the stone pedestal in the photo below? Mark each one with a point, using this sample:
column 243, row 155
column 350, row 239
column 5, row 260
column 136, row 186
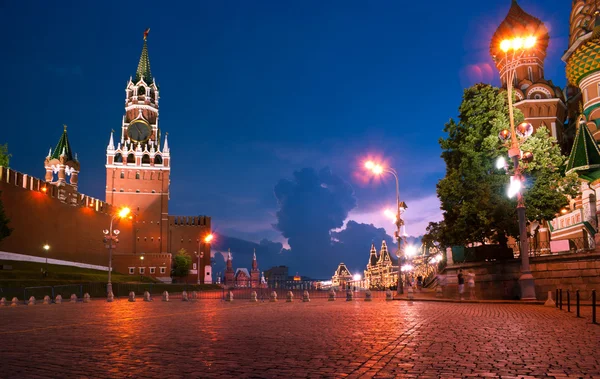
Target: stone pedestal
column 368, row 296
column 549, row 302
column 306, row 297
column 132, row 296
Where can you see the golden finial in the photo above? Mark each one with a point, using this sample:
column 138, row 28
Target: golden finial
column 65, row 127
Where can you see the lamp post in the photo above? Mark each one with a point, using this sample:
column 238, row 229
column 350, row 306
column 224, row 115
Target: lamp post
column 514, row 50
column 46, row 248
column 111, row 238
column 378, row 169
column 206, row 240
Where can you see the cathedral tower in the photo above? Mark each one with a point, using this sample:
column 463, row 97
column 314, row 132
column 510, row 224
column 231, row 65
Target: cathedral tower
column 138, row 164
column 255, row 272
column 61, row 163
column 541, row 102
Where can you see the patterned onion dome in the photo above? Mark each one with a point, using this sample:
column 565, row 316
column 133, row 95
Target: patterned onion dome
column 519, row 23
column 585, row 60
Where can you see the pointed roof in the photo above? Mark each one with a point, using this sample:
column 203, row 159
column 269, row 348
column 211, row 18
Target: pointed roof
column 384, row 256
column 143, row 69
column 342, row 271
column 585, row 155
column 373, row 256
column 63, row 147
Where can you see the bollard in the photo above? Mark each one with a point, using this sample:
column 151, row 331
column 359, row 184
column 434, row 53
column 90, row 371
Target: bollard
column 165, row 296
column 14, row 302
column 368, row 295
column 273, row 297
column 577, row 302
column 31, row 301
column 132, row 296
column 253, row 297
column 73, row 298
column 549, row 302
column 58, row 299
column 184, row 296
column 305, row 297
column 410, row 294
column 86, row 298
column 556, row 297
column 147, row 296
column 229, row 296
column 2, row 302
column 110, row 297
column 568, row 301
column 331, row 295
column 560, row 299
column 290, row 297
column 593, row 306
column 389, row 296
column 349, row 295
column 47, row 300
column 439, row 292
column 194, row 295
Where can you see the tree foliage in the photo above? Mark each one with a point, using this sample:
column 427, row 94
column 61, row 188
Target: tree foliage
column 5, row 231
column 473, row 195
column 181, row 264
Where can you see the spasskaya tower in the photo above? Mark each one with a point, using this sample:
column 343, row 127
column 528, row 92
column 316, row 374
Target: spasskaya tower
column 138, row 163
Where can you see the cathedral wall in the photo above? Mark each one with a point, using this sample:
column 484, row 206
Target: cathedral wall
column 70, row 222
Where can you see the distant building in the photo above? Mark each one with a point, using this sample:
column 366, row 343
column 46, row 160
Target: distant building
column 382, row 270
column 276, row 274
column 242, row 277
column 341, row 276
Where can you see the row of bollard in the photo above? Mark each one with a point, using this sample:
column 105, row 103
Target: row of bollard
column 306, row 297
column 46, row 301
column 559, row 302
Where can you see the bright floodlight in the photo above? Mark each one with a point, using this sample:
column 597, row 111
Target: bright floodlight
column 124, row 212
column 389, row 214
column 530, row 42
column 517, row 43
column 410, row 250
column 208, row 238
column 377, row 169
column 514, row 187
column 505, row 45
column 46, row 247
column 369, row 165
column 500, row 163
column 356, row 277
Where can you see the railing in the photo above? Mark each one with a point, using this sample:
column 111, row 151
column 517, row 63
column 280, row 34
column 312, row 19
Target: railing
column 541, row 248
column 578, row 298
column 567, row 220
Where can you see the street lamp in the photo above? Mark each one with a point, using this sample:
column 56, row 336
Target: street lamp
column 46, row 248
column 378, row 169
column 111, row 239
column 514, row 50
column 207, row 240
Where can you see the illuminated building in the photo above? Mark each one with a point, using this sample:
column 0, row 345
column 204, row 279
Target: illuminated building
column 382, row 270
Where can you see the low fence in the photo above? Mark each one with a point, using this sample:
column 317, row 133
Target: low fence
column 568, row 301
column 540, row 248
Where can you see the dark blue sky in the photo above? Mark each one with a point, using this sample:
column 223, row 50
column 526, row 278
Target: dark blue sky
column 252, row 91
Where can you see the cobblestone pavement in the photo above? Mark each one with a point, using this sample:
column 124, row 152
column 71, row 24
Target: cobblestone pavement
column 320, row 339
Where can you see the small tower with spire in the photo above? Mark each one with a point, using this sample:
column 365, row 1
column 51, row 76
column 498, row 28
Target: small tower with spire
column 373, row 256
column 229, row 273
column 384, row 257
column 255, row 272
column 61, row 163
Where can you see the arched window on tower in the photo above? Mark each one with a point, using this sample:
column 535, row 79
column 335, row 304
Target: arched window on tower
column 158, row 160
column 141, row 91
column 146, row 159
column 118, row 158
column 122, row 174
column 137, row 175
column 530, row 73
column 131, row 158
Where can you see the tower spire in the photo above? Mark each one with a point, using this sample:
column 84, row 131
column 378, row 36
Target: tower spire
column 166, row 146
column 111, row 143
column 63, row 147
column 143, row 69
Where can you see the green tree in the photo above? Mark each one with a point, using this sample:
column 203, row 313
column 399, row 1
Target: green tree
column 5, row 231
column 473, row 192
column 181, row 264
column 4, row 155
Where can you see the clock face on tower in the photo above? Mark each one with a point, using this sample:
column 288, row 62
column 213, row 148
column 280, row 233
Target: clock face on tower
column 139, row 131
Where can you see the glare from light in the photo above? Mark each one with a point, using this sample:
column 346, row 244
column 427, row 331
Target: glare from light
column 517, row 43
column 369, row 165
column 514, row 187
column 500, row 163
column 142, row 258
column 407, row 267
column 505, row 45
column 46, row 247
column 390, row 214
column 208, row 238
column 124, row 212
column 357, row 277
column 410, row 250
column 530, row 42
column 377, row 169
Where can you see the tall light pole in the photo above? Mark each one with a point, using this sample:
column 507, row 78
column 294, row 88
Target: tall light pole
column 200, row 255
column 111, row 238
column 514, row 50
column 378, row 169
column 46, row 248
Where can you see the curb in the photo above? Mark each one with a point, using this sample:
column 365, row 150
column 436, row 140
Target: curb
column 527, row 302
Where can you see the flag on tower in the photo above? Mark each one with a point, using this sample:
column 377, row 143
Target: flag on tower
column 146, row 33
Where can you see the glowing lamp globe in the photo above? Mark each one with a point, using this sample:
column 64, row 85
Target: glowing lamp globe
column 500, row 163
column 504, row 135
column 527, row 157
column 505, row 45
column 530, row 42
column 524, row 129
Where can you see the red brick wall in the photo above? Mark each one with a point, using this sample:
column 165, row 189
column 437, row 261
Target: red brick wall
column 188, row 233
column 72, row 227
column 123, row 262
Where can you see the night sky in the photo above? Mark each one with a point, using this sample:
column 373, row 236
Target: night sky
column 264, row 101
